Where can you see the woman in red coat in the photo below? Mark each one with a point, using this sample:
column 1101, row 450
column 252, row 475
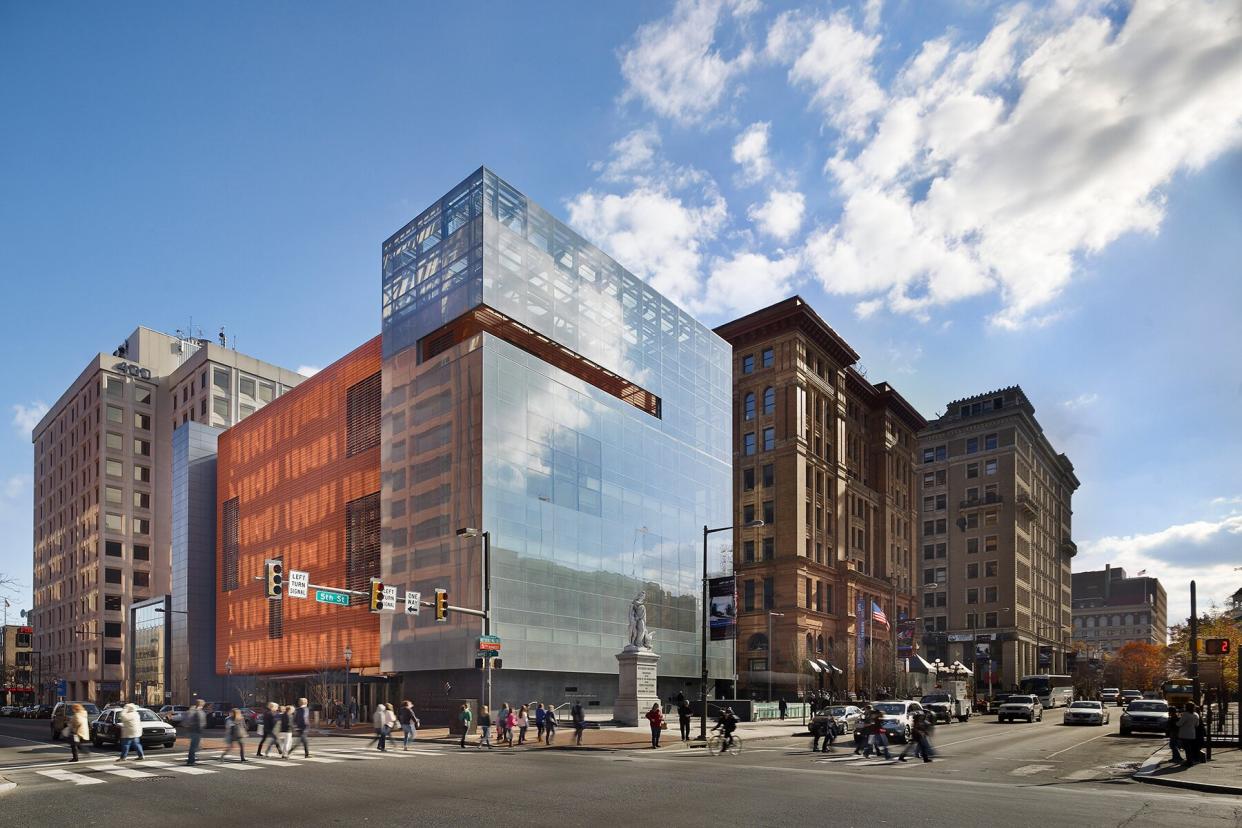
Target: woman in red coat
column 656, row 717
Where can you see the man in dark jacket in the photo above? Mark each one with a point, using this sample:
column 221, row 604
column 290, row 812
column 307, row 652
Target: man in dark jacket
column 195, row 722
column 579, row 717
column 269, row 730
column 301, row 723
column 683, row 716
column 783, row 707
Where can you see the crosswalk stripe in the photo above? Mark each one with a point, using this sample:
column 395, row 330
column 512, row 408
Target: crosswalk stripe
column 241, row 766
column 69, row 776
column 323, row 759
column 352, row 754
column 1030, row 770
column 189, row 770
column 128, row 773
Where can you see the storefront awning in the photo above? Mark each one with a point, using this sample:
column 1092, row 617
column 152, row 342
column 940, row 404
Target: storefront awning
column 918, row 664
column 814, row 666
column 829, row 668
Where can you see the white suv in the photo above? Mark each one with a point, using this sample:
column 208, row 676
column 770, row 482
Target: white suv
column 898, row 717
column 1021, row 707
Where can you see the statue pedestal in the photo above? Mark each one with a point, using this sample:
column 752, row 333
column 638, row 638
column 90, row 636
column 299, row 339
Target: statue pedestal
column 636, row 690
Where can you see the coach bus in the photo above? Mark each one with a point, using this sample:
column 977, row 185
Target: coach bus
column 1053, row 691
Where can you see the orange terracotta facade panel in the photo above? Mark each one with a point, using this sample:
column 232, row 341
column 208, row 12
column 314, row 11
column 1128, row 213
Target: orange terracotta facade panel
column 289, row 468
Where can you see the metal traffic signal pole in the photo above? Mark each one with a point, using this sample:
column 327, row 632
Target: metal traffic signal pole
column 1194, row 643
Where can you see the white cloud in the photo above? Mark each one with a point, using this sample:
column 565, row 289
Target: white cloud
column 634, row 154
column 308, row 370
column 872, row 10
column 656, row 234
column 1227, row 501
column 999, row 166
column 26, row 417
column 1203, row 550
column 1081, row 401
column 748, row 281
column 750, row 151
column 781, row 215
column 15, row 486
column 672, row 65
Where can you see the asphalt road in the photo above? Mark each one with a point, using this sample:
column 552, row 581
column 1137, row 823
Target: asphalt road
column 987, row 775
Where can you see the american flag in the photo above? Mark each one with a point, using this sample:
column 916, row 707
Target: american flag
column 877, row 614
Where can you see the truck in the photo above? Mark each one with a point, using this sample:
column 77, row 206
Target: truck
column 949, row 700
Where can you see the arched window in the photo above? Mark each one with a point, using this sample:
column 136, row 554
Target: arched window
column 1129, row 620
column 769, row 400
column 819, row 645
column 758, row 641
column 748, row 406
column 810, row 643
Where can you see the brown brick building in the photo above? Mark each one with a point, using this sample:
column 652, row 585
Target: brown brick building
column 299, row 481
column 825, row 458
column 996, row 539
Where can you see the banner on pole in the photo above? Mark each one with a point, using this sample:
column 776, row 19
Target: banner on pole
column 722, row 607
column 905, row 637
column 860, row 632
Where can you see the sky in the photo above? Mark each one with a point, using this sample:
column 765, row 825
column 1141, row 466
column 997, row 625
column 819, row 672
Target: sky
column 974, row 195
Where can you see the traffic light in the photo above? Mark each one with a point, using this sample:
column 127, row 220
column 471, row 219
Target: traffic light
column 377, row 595
column 441, row 604
column 1216, row 646
column 274, row 575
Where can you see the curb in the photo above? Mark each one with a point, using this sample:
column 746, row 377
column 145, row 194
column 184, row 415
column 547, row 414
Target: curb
column 1144, row 775
column 6, row 787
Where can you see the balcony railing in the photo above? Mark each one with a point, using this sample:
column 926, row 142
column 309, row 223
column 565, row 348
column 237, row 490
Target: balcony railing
column 1069, row 547
column 986, row 500
column 1027, row 504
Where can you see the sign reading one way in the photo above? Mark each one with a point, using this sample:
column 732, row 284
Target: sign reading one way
column 413, row 602
column 298, row 581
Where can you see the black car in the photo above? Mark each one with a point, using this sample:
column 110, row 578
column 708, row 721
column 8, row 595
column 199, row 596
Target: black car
column 40, row 711
column 155, row 731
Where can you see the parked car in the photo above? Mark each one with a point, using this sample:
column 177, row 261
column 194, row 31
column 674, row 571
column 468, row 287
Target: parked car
column 107, row 729
column 1128, row 696
column 845, row 717
column 1109, row 695
column 898, row 717
column 7, row 710
column 173, row 713
column 60, row 715
column 40, row 711
column 1086, row 712
column 1146, row 716
column 217, row 713
column 1021, row 707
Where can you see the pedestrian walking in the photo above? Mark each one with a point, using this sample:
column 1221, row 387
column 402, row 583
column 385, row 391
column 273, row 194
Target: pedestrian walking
column 286, row 729
column 783, row 707
column 683, row 716
column 879, row 739
column 579, row 718
column 271, row 729
column 195, row 721
column 351, row 715
column 485, row 728
column 539, row 717
column 409, row 723
column 1188, row 734
column 549, row 725
column 523, row 721
column 465, row 717
column 79, row 731
column 920, row 741
column 234, row 733
column 301, row 724
column 819, row 730
column 131, row 732
column 379, row 720
column 510, row 723
column 655, row 716
column 1170, row 733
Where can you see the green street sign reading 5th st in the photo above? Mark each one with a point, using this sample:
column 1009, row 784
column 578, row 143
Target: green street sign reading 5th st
column 327, row 596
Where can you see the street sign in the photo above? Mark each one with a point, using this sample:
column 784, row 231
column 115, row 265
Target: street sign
column 413, row 602
column 298, row 582
column 330, row 596
column 489, row 654
column 62, row 687
column 489, row 643
column 390, row 599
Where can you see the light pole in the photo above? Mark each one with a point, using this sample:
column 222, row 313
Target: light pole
column 754, row 524
column 228, row 666
column 467, row 532
column 771, row 650
column 349, row 719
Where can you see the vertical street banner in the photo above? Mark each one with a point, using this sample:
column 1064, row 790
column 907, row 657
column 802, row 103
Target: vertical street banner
column 860, row 632
column 722, row 607
column 905, row 637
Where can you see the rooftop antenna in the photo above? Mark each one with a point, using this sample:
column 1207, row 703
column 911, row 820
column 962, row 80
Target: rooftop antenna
column 223, row 339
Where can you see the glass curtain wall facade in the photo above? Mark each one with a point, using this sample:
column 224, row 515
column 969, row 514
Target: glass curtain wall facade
column 149, row 653
column 536, row 389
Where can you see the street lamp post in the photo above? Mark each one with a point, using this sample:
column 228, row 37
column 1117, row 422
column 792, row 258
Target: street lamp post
column 771, row 650
column 349, row 719
column 228, row 666
column 487, row 604
column 754, row 524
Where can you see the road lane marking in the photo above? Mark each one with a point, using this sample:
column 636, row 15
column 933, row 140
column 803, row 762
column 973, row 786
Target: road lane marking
column 186, row 769
column 1080, row 744
column 129, row 773
column 323, row 759
column 1030, row 770
column 69, row 776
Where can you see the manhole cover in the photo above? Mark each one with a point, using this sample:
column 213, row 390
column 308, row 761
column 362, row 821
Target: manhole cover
column 156, row 778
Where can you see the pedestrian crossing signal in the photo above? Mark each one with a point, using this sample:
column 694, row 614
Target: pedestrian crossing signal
column 274, row 577
column 1216, row 646
column 441, row 604
column 377, row 595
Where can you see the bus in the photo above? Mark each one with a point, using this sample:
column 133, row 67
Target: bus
column 1053, row 691
column 1178, row 691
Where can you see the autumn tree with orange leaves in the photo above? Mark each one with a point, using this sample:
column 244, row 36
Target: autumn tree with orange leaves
column 1142, row 666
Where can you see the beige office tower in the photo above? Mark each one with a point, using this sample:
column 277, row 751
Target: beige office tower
column 996, row 540
column 103, row 498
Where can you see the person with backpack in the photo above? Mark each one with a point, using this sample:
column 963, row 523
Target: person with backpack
column 409, row 723
column 464, row 716
column 301, row 724
column 195, row 721
column 540, row 714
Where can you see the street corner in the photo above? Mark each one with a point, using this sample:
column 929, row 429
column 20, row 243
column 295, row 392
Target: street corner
column 1220, row 776
column 6, row 787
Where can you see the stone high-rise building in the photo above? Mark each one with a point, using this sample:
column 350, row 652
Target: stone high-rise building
column 826, row 459
column 1111, row 609
column 996, row 541
column 102, row 500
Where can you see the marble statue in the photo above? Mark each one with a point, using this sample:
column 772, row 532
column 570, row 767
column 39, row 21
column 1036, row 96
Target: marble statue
column 640, row 636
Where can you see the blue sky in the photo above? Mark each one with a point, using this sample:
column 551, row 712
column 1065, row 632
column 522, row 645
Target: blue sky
column 973, row 194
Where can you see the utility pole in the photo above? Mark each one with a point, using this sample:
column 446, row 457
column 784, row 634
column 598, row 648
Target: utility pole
column 1194, row 643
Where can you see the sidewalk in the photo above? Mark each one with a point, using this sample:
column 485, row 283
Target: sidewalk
column 1222, row 775
column 594, row 738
